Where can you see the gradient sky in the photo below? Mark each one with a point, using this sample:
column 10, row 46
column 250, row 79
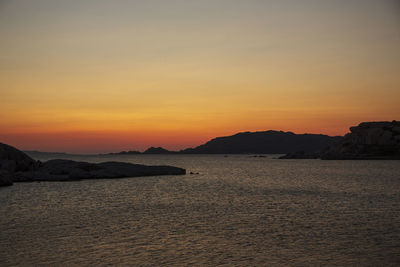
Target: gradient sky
column 100, row 76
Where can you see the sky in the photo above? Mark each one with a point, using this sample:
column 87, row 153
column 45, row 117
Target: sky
column 94, row 76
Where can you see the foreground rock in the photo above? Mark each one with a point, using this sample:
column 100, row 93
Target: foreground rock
column 14, row 160
column 72, row 170
column 16, row 166
column 368, row 140
column 69, row 170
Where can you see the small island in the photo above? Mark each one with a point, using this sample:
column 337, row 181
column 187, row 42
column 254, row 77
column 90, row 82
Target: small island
column 16, row 166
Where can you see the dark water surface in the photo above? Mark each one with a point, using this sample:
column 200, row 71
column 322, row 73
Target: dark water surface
column 239, row 210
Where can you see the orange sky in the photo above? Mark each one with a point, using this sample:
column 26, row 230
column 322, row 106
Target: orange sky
column 101, row 76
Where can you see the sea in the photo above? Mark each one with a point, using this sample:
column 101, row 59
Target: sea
column 228, row 210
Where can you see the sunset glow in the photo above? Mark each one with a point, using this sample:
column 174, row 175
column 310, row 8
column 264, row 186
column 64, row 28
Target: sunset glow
column 103, row 76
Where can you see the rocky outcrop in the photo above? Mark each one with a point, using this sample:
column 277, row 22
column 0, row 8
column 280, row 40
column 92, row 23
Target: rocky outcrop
column 72, row 170
column 16, row 166
column 69, row 170
column 13, row 160
column 368, row 140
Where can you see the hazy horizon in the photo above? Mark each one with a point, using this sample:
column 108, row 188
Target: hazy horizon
column 106, row 76
column 128, row 148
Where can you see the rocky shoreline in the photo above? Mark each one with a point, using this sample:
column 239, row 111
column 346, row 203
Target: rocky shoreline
column 16, row 166
column 367, row 141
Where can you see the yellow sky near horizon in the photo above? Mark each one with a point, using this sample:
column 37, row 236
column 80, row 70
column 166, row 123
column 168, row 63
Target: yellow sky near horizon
column 98, row 76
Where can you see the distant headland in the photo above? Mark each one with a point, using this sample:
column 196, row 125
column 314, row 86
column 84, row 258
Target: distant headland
column 368, row 140
column 262, row 142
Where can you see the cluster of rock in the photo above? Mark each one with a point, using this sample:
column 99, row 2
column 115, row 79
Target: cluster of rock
column 16, row 166
column 368, row 140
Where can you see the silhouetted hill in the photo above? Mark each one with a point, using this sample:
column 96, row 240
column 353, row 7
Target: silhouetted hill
column 267, row 142
column 157, row 150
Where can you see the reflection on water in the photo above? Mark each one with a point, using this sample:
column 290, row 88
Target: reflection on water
column 239, row 210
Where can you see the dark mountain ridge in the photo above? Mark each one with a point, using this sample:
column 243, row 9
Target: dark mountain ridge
column 264, row 142
column 261, row 142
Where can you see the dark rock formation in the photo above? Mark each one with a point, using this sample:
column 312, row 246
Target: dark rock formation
column 368, row 140
column 268, row 142
column 16, row 166
column 68, row 170
column 13, row 160
column 72, row 170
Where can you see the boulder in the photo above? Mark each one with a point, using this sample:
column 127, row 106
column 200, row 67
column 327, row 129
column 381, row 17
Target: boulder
column 368, row 140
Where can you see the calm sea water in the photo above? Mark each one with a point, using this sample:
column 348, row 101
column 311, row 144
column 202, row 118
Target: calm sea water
column 239, row 210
